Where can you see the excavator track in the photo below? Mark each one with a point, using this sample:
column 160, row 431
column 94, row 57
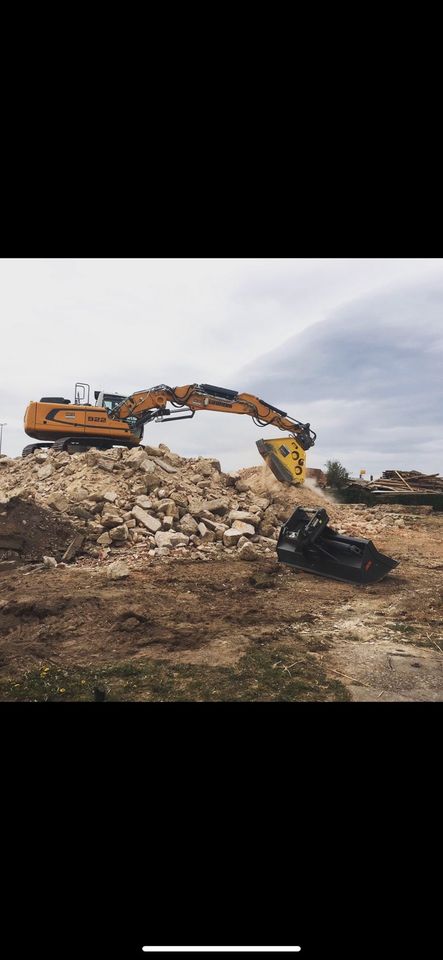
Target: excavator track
column 74, row 445
column 32, row 447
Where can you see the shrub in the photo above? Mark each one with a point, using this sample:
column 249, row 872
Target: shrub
column 336, row 474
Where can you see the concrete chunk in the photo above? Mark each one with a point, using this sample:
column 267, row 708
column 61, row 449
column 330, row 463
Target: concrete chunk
column 231, row 537
column 58, row 502
column 248, row 552
column 75, row 545
column 246, row 529
column 46, row 471
column 104, row 539
column 144, row 502
column 171, row 539
column 217, row 506
column 163, row 465
column 245, row 516
column 151, row 523
column 119, row 533
column 188, row 525
column 117, row 570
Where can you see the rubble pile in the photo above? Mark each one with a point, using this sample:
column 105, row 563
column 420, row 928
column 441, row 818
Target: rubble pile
column 121, row 504
column 151, row 500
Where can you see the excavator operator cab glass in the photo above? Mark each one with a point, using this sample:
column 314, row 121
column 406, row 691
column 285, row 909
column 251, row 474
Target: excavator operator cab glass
column 108, row 400
column 111, row 400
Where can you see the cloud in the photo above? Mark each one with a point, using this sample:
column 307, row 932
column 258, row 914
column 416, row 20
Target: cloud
column 369, row 379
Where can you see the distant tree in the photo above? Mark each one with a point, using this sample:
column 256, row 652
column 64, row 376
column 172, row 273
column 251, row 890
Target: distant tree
column 336, row 474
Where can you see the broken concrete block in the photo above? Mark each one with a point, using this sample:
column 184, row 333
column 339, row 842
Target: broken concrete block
column 188, row 525
column 77, row 494
column 104, row 540
column 110, row 520
column 217, row 506
column 151, row 523
column 119, row 533
column 144, row 502
column 163, row 465
column 74, row 547
column 231, row 537
column 243, row 515
column 248, row 552
column 46, row 471
column 247, row 529
column 117, row 570
column 171, row 538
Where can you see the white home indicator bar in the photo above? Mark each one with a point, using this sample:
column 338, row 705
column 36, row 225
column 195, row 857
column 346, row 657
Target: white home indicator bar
column 221, row 949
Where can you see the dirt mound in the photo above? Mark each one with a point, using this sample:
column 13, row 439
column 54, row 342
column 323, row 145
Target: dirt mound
column 261, row 480
column 29, row 532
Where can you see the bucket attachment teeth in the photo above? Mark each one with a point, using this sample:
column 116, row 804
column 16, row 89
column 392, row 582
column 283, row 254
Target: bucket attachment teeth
column 285, row 457
column 308, row 543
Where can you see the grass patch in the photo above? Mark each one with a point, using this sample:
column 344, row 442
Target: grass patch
column 262, row 674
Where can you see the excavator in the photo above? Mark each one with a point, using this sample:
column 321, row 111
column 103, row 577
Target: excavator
column 305, row 540
column 115, row 419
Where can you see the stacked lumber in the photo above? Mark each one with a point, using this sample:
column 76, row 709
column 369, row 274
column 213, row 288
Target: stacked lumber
column 406, row 481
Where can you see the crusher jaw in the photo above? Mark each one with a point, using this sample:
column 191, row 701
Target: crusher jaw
column 306, row 542
column 285, row 457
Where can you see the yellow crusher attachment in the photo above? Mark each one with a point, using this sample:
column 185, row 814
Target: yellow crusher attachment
column 285, row 457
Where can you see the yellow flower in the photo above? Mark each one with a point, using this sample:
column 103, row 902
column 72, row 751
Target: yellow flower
column 62, row 690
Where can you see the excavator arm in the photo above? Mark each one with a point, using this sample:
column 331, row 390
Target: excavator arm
column 286, row 460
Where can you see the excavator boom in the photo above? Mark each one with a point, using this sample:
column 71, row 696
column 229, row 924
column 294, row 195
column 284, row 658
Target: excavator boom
column 149, row 404
column 285, row 459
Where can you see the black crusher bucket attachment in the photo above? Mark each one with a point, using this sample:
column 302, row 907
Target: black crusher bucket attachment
column 308, row 543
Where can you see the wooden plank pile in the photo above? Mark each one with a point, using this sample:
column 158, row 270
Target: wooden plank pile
column 406, row 481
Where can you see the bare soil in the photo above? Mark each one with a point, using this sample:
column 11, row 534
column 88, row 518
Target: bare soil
column 228, row 630
column 28, row 531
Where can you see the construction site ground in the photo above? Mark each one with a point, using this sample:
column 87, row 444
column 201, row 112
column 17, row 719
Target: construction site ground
column 202, row 609
column 228, row 631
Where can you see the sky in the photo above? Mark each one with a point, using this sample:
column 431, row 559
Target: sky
column 354, row 346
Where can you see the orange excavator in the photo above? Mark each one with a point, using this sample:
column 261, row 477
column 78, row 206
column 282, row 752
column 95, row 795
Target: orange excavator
column 118, row 420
